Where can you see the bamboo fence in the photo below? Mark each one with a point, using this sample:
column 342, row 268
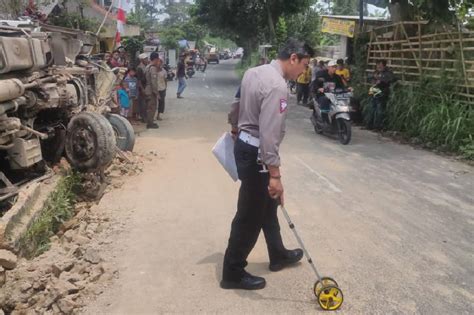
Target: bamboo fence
column 412, row 53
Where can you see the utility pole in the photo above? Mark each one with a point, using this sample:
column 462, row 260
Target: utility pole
column 361, row 13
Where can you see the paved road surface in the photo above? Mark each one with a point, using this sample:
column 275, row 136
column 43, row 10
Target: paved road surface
column 393, row 225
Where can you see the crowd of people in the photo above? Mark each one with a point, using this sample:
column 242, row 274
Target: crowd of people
column 335, row 74
column 141, row 94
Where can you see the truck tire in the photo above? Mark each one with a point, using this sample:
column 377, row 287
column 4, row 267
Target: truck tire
column 90, row 142
column 123, row 130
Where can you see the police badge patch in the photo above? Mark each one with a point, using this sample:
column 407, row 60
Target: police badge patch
column 283, row 105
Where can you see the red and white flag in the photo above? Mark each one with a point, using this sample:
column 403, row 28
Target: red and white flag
column 122, row 6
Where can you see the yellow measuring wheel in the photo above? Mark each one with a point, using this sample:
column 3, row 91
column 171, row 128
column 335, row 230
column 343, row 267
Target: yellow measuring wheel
column 324, row 282
column 326, row 289
column 330, row 298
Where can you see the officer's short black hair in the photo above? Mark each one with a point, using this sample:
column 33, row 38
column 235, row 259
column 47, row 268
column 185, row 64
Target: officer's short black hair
column 154, row 55
column 294, row 46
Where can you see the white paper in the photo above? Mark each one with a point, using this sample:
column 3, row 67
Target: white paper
column 223, row 150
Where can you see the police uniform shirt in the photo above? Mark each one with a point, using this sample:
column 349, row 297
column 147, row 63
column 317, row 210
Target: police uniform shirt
column 151, row 75
column 263, row 108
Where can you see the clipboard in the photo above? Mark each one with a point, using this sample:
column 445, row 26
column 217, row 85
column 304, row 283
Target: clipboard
column 223, row 150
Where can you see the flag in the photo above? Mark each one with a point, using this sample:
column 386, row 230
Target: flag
column 121, row 20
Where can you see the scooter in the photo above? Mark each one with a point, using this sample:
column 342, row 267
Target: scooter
column 335, row 120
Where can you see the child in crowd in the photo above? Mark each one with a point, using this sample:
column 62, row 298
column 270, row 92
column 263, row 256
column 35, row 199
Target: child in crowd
column 132, row 86
column 123, row 99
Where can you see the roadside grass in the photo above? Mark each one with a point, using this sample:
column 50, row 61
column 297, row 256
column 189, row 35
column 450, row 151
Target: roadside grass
column 58, row 208
column 430, row 112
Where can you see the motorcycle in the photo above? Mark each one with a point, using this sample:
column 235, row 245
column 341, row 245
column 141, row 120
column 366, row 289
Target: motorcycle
column 335, row 120
column 169, row 73
column 190, row 69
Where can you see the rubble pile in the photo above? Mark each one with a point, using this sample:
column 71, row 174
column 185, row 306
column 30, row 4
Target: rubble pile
column 62, row 279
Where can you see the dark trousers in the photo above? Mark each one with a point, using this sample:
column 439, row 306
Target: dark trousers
column 302, row 92
column 161, row 103
column 323, row 102
column 256, row 211
column 142, row 106
column 151, row 103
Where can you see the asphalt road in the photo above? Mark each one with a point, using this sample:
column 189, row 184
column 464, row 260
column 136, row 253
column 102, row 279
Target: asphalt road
column 392, row 224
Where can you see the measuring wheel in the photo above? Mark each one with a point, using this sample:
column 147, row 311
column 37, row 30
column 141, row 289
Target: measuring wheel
column 325, row 281
column 330, row 298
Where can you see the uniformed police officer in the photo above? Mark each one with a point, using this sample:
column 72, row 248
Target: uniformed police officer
column 258, row 121
column 152, row 89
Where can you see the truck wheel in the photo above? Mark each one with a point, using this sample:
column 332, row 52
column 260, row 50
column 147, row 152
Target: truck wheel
column 123, row 130
column 90, row 142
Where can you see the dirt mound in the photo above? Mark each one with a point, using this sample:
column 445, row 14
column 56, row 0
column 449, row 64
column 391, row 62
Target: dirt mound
column 73, row 269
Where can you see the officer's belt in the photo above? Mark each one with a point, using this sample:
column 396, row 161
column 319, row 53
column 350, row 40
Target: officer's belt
column 249, row 139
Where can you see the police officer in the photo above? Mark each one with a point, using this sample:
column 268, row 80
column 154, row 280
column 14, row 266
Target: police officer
column 258, row 122
column 152, row 89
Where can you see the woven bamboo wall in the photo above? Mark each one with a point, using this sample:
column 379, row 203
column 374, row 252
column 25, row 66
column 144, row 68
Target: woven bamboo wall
column 411, row 52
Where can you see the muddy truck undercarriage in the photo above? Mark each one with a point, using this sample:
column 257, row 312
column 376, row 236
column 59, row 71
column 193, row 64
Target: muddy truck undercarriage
column 54, row 100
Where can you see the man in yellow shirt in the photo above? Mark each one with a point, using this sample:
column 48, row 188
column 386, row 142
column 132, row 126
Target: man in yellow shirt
column 343, row 72
column 302, row 88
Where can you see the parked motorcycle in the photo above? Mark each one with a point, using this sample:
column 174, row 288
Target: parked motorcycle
column 190, row 69
column 335, row 120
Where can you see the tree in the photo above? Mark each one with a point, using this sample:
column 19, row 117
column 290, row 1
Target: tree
column 281, row 31
column 247, row 21
column 448, row 11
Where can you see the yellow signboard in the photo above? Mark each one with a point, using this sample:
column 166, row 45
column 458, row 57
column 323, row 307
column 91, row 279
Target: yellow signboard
column 339, row 27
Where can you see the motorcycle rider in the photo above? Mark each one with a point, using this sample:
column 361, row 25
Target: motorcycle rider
column 327, row 81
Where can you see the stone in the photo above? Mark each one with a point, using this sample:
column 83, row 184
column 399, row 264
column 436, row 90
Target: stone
column 56, row 270
column 56, row 309
column 92, row 255
column 81, row 240
column 25, row 286
column 96, row 273
column 70, row 277
column 31, row 268
column 69, row 235
column 70, row 224
column 67, row 305
column 8, row 260
column 38, row 286
column 65, row 288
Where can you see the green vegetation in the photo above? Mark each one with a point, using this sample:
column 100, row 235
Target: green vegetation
column 58, row 208
column 431, row 112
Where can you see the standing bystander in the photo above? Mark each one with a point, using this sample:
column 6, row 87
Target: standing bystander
column 162, row 85
column 181, row 74
column 302, row 88
column 151, row 89
column 132, row 86
column 123, row 99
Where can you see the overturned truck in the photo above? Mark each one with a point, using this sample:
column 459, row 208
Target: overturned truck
column 55, row 100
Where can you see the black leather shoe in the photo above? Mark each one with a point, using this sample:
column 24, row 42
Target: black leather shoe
column 291, row 257
column 248, row 282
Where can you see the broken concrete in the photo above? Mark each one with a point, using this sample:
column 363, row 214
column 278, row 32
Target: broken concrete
column 16, row 221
